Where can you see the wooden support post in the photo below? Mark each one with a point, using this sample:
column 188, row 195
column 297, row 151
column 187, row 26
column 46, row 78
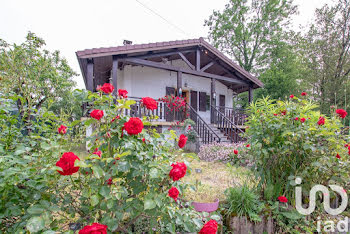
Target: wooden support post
column 179, row 82
column 198, row 60
column 250, row 94
column 90, row 75
column 114, row 75
column 212, row 100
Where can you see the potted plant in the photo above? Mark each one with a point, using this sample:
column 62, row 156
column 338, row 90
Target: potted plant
column 203, row 200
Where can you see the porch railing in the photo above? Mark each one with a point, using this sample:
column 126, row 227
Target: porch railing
column 226, row 126
column 237, row 116
column 138, row 110
column 204, row 131
column 163, row 112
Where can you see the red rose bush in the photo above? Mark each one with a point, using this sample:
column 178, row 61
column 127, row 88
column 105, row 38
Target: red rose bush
column 300, row 142
column 129, row 171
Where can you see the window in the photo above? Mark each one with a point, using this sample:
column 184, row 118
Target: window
column 208, row 102
column 202, row 101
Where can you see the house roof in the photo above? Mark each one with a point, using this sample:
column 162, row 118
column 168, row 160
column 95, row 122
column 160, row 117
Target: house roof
column 96, row 53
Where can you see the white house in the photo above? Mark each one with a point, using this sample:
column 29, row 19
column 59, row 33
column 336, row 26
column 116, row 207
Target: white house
column 193, row 69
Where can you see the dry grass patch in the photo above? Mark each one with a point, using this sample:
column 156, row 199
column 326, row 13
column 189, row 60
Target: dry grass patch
column 213, row 180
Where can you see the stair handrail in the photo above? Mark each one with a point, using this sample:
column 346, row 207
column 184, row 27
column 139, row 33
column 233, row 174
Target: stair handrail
column 205, row 124
column 224, row 117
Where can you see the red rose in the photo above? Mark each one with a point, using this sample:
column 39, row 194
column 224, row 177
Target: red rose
column 95, row 228
column 97, row 152
column 173, row 193
column 284, row 112
column 235, row 151
column 283, row 199
column 275, row 114
column 182, row 141
column 302, row 120
column 342, row 113
column 122, row 93
column 303, row 94
column 209, row 228
column 150, row 103
column 321, row 121
column 291, row 96
column 338, row 156
column 109, row 181
column 96, row 114
column 248, row 145
column 178, row 171
column 66, row 162
column 143, row 140
column 107, row 88
column 296, row 118
column 134, row 126
column 62, row 130
column 117, row 117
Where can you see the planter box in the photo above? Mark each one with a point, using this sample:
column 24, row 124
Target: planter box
column 241, row 225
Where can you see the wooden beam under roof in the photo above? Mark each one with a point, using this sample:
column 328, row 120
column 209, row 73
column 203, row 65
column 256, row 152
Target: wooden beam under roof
column 142, row 62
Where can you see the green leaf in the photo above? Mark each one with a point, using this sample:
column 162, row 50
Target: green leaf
column 94, row 200
column 35, row 210
column 75, row 122
column 104, row 191
column 35, row 224
column 149, row 204
column 98, row 172
column 81, row 163
column 45, row 146
column 49, row 232
column 89, row 121
column 154, row 173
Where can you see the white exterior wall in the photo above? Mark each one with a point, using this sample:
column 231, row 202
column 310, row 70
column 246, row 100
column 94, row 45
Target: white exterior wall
column 151, row 82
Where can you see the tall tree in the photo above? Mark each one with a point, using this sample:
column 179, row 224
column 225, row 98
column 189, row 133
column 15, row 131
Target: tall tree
column 245, row 29
column 285, row 71
column 326, row 49
column 33, row 73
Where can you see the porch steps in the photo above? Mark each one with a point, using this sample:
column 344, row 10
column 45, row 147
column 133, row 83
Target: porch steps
column 223, row 138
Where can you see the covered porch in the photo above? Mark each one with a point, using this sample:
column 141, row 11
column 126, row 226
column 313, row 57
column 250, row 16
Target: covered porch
column 192, row 69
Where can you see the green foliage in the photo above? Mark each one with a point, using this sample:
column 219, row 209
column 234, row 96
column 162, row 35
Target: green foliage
column 242, row 201
column 284, row 147
column 27, row 182
column 326, row 55
column 34, row 73
column 285, row 70
column 245, row 29
column 188, row 127
column 287, row 219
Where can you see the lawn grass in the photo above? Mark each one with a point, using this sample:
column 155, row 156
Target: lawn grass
column 214, row 179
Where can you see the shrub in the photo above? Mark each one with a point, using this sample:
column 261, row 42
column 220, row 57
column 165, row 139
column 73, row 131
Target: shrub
column 124, row 180
column 188, row 127
column 242, row 201
column 28, row 148
column 292, row 138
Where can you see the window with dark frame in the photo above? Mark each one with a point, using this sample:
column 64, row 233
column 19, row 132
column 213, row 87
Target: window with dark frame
column 202, row 101
column 208, row 102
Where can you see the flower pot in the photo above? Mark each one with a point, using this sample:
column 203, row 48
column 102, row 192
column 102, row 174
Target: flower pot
column 206, row 206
